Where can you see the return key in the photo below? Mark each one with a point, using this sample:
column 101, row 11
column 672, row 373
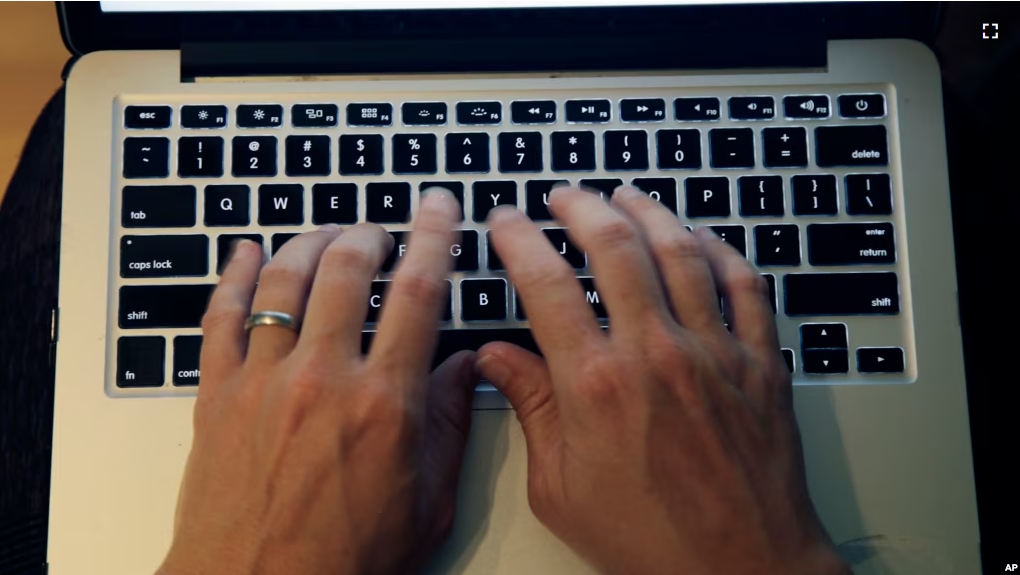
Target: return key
column 851, row 244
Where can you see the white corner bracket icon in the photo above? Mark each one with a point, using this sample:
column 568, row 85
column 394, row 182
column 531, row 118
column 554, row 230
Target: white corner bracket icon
column 990, row 31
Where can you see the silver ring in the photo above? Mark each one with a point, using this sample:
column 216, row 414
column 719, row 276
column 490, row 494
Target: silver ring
column 272, row 318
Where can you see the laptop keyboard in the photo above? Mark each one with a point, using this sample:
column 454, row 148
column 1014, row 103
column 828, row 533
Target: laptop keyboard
column 799, row 181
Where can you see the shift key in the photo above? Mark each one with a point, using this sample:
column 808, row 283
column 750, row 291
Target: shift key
column 152, row 306
column 828, row 294
column 164, row 256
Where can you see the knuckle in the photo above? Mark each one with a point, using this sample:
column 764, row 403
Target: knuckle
column 279, row 272
column 601, row 382
column 348, row 257
column 615, row 233
column 677, row 244
column 549, row 275
column 417, row 285
column 746, row 280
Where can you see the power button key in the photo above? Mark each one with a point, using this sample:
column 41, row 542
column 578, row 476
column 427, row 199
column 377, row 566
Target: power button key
column 861, row 105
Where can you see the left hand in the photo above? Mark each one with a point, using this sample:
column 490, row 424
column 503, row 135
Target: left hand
column 309, row 457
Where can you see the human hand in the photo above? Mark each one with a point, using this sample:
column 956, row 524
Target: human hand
column 668, row 444
column 309, row 457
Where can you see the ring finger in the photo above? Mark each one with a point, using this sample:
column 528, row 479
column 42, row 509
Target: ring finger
column 283, row 287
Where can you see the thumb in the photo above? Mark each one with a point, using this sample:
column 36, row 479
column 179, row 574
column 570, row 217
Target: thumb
column 523, row 378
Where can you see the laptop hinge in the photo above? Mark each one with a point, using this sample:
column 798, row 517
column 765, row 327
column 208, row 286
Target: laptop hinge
column 582, row 54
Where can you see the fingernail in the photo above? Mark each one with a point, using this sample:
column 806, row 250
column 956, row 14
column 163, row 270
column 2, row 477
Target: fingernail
column 492, row 368
column 626, row 192
column 330, row 228
column 502, row 213
column 234, row 246
column 559, row 191
column 438, row 200
column 707, row 232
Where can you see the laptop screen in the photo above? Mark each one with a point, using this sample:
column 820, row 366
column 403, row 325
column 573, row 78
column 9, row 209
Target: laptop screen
column 265, row 5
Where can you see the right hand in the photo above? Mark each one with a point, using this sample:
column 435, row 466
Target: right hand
column 668, row 444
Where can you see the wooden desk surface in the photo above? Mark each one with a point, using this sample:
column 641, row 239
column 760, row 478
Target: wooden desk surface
column 31, row 58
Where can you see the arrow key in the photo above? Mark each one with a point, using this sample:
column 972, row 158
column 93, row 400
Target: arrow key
column 824, row 361
column 880, row 359
column 643, row 110
column 823, row 335
column 533, row 112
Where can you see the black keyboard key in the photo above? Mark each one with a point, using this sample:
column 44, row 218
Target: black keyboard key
column 204, row 116
column 563, row 246
column 479, row 113
column 147, row 117
column 414, row 154
column 200, row 157
column 588, row 111
column 466, row 252
column 453, row 340
column 281, row 205
column 814, row 195
column 227, row 205
column 253, row 156
column 369, row 114
column 140, row 361
column 224, row 243
column 868, row 195
column 467, row 153
column 307, row 156
column 880, row 360
column 259, row 116
column 533, row 112
column 152, row 306
column 696, row 109
column 537, row 196
column 456, row 188
column 187, row 352
column 731, row 147
column 777, row 245
column 158, row 207
column 377, row 293
column 604, row 186
column 861, row 105
column 591, row 295
column 400, row 241
column 812, row 107
column 851, row 146
column 788, row 357
column 761, row 196
column 825, row 361
column 736, row 236
column 707, row 197
column 335, row 203
column 486, row 195
column 361, row 154
column 314, row 115
column 827, row 294
column 773, row 299
column 662, row 190
column 278, row 240
column 678, row 149
column 424, row 113
column 752, row 108
column 483, row 300
column 643, row 110
column 491, row 256
column 520, row 152
column 625, row 150
column 146, row 157
column 851, row 244
column 164, row 256
column 573, row 151
column 784, row 147
column 388, row 202
column 824, row 335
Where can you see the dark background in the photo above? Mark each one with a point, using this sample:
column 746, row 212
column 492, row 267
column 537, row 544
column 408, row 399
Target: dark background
column 982, row 107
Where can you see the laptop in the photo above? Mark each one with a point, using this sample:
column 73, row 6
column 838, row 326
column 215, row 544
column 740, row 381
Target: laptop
column 808, row 135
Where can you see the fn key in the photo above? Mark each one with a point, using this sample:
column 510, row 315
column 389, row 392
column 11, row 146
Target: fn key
column 140, row 361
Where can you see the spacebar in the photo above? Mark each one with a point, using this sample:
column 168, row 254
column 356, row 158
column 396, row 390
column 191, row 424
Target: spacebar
column 454, row 340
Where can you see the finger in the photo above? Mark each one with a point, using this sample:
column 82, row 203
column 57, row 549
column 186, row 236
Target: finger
column 679, row 258
column 224, row 341
column 338, row 304
column 448, row 411
column 746, row 295
column 563, row 324
column 283, row 286
column 523, row 378
column 408, row 325
column 628, row 283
